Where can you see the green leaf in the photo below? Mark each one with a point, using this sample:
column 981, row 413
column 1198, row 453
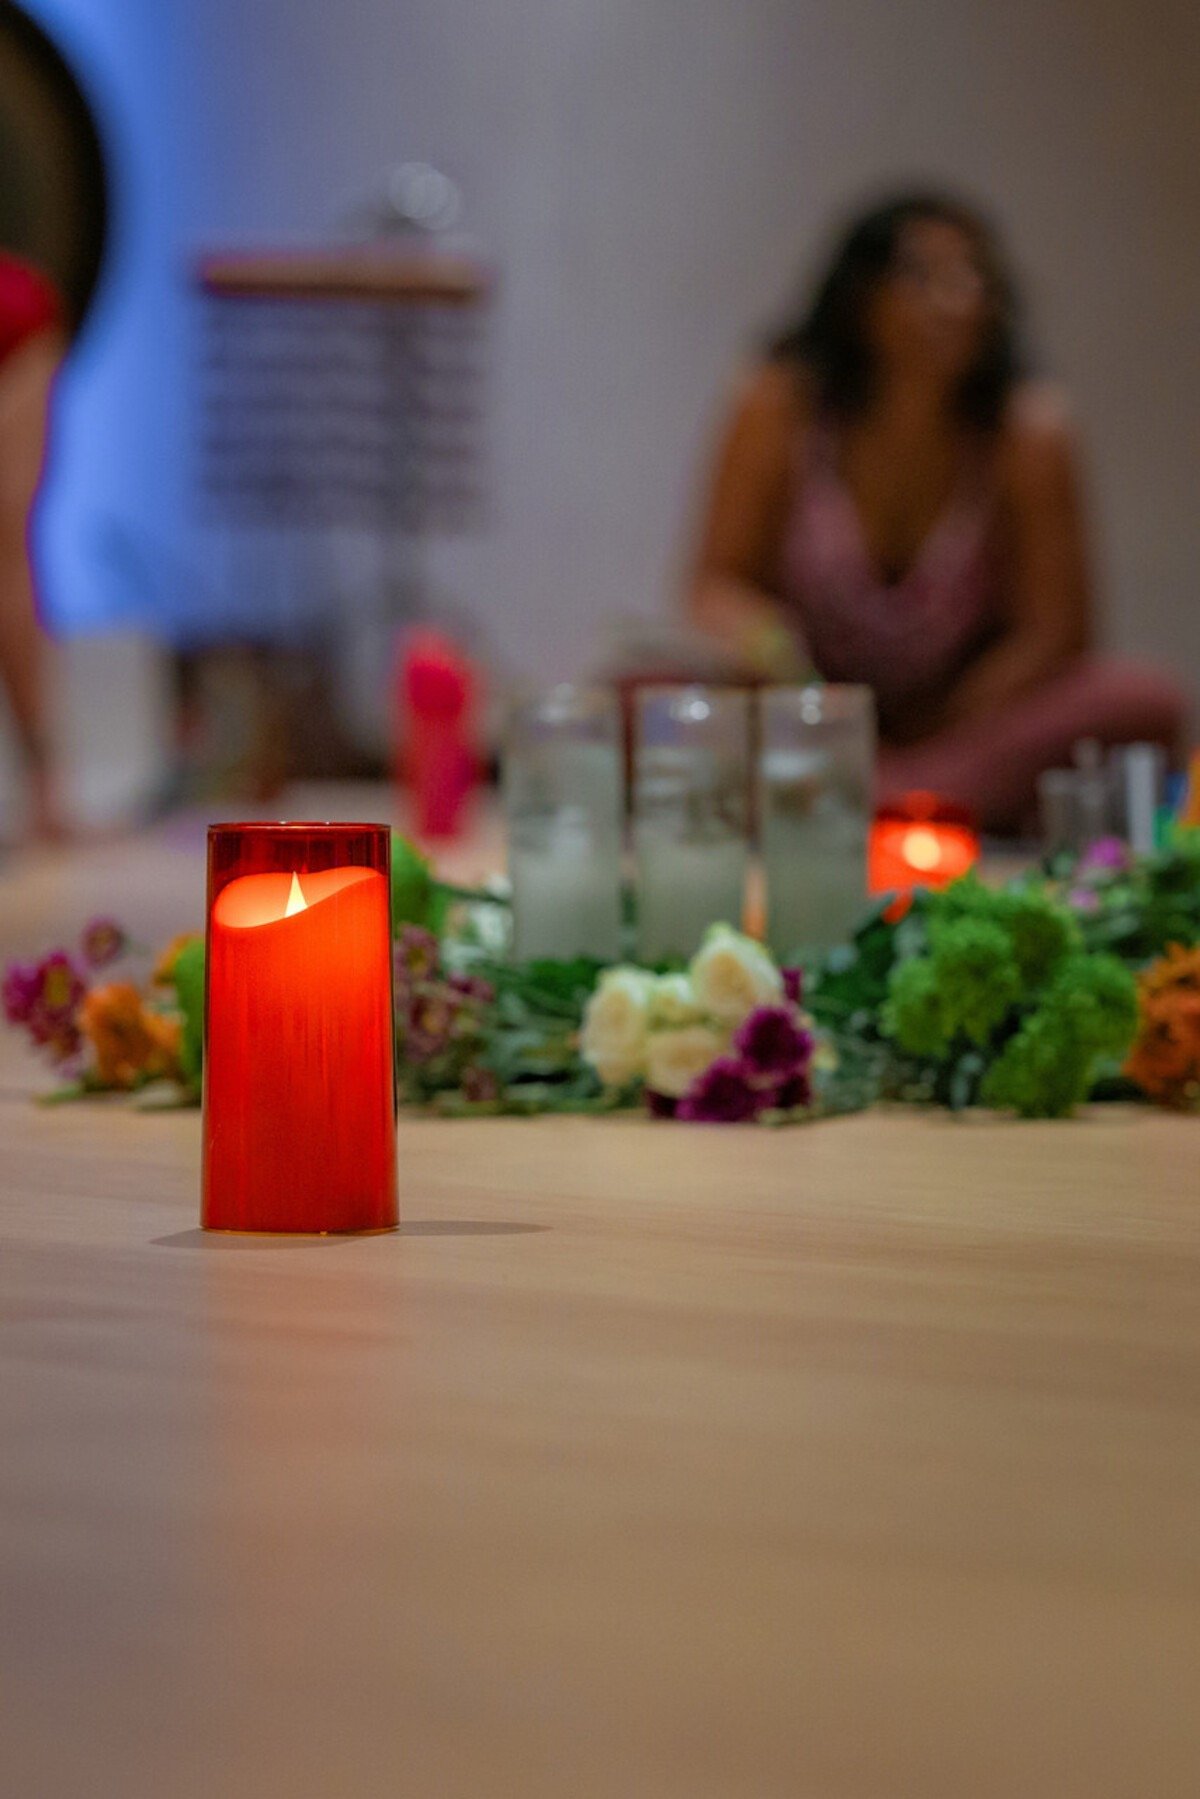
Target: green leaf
column 61, row 1096
column 188, row 980
column 417, row 896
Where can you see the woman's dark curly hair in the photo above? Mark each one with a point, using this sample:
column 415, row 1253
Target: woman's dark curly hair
column 829, row 339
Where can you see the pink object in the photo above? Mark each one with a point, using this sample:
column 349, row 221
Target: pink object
column 991, row 764
column 29, row 303
column 906, row 639
column 910, row 638
column 437, row 694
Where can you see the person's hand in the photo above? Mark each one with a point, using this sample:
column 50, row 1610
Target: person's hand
column 768, row 648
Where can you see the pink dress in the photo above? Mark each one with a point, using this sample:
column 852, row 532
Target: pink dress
column 908, row 639
column 912, row 638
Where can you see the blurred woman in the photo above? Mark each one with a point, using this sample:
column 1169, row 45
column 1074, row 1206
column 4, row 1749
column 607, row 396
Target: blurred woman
column 32, row 343
column 895, row 504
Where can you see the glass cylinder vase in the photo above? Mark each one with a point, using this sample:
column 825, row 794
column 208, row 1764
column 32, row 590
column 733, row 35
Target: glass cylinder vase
column 690, row 817
column 563, row 809
column 299, row 1042
column 815, row 779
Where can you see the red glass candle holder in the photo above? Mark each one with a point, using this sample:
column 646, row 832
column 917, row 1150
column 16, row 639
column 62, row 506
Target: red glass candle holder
column 920, row 840
column 299, row 1035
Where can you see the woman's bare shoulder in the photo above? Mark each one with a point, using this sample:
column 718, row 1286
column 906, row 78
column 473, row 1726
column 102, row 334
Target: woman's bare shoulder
column 766, row 417
column 1038, row 414
column 770, row 398
column 1038, row 439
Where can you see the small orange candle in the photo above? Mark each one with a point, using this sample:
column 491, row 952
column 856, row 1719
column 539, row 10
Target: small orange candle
column 920, row 841
column 299, row 1082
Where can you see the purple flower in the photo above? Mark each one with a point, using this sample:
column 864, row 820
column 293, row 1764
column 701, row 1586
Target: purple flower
column 471, row 987
column 61, row 1037
column 793, row 985
column 773, row 1044
column 1083, row 899
column 721, row 1095
column 428, row 1025
column 59, row 987
column 480, row 1086
column 416, row 954
column 19, row 991
column 796, row 1091
column 659, row 1105
column 1109, row 854
column 103, row 941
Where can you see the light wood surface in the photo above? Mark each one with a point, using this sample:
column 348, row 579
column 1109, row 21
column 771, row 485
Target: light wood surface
column 860, row 1460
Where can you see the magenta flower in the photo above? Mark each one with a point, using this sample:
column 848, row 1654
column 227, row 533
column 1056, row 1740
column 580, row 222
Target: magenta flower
column 103, row 941
column 721, row 1095
column 1107, row 854
column 51, row 1017
column 19, row 991
column 660, row 1106
column 1083, row 899
column 773, row 1044
column 62, row 1038
column 791, row 1094
column 793, row 985
column 60, row 986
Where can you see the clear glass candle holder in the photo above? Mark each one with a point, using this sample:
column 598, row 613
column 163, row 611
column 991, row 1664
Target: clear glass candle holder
column 299, row 1034
column 690, row 815
column 815, row 785
column 563, row 802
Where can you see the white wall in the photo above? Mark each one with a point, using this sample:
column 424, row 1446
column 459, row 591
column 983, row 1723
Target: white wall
column 651, row 175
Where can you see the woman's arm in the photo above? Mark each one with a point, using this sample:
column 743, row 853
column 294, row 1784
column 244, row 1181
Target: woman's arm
column 26, row 379
column 1050, row 596
column 733, row 592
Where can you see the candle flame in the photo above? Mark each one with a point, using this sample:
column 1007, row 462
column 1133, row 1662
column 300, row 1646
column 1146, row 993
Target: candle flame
column 296, row 900
column 922, row 849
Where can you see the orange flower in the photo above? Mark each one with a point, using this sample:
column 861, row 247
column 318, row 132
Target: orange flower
column 164, row 968
column 1165, row 1058
column 131, row 1044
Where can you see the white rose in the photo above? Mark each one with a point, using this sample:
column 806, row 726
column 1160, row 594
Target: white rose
column 732, row 974
column 675, row 1058
column 616, row 1022
column 672, row 1002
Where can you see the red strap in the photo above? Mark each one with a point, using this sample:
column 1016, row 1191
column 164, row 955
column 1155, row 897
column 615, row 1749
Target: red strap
column 29, row 303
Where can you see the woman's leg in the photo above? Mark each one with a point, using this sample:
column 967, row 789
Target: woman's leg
column 991, row 765
column 26, row 381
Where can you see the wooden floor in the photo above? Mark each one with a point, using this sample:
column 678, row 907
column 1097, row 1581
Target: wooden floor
column 859, row 1461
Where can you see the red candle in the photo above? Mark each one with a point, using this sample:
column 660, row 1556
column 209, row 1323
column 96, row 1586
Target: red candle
column 920, row 841
column 299, row 1056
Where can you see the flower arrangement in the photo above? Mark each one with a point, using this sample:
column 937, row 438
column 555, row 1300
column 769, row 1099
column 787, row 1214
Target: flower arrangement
column 111, row 1035
column 1165, row 1059
column 441, row 1023
column 982, row 997
column 1134, row 906
column 722, row 1044
column 1022, row 998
